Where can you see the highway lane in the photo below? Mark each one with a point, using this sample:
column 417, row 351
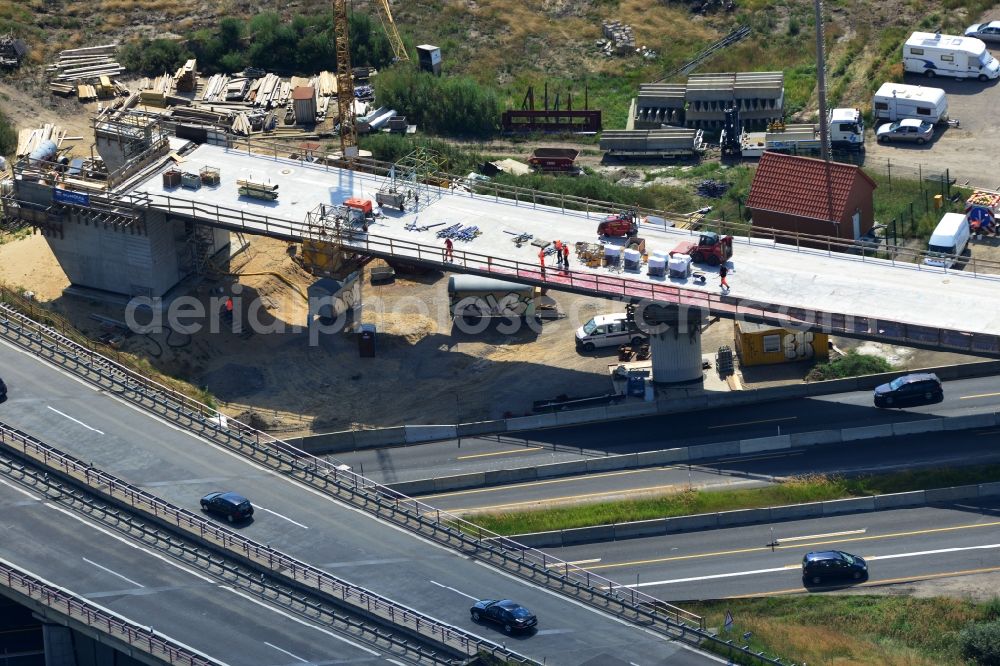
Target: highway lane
column 152, row 589
column 181, row 468
column 392, row 464
column 743, row 471
column 901, row 545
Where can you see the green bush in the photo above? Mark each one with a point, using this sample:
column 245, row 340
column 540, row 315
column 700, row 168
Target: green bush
column 153, row 57
column 8, row 136
column 303, row 46
column 980, row 643
column 852, row 364
column 456, row 106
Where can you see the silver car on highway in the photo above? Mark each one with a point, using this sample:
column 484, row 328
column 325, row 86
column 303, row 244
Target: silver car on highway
column 988, row 32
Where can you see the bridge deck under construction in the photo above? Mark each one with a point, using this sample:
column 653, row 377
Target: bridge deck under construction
column 861, row 296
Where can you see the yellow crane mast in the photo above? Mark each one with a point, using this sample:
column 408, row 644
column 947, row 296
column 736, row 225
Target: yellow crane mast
column 385, row 15
column 345, row 82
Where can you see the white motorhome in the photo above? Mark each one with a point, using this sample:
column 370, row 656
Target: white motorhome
column 934, row 54
column 898, row 101
column 948, row 241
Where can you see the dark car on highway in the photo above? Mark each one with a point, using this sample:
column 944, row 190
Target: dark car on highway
column 504, row 612
column 919, row 388
column 231, row 506
column 832, row 565
column 3, row 391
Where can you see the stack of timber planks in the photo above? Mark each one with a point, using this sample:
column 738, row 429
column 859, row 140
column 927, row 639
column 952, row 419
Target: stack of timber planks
column 29, row 139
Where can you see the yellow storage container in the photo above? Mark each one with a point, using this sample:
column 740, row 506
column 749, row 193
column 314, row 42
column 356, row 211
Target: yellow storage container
column 761, row 344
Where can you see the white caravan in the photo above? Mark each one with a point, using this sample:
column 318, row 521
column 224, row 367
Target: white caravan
column 897, row 101
column 934, row 54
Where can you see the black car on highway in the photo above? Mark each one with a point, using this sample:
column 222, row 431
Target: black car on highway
column 919, row 388
column 3, row 391
column 231, row 506
column 504, row 612
column 832, row 565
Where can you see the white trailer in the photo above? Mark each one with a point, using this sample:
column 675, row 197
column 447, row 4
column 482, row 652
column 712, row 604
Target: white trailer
column 934, row 54
column 846, row 130
column 896, row 101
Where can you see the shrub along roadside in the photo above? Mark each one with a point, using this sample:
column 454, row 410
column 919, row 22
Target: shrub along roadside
column 816, row 488
column 854, row 629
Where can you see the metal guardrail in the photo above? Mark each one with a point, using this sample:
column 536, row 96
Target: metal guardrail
column 234, row 568
column 81, row 610
column 275, row 561
column 328, row 476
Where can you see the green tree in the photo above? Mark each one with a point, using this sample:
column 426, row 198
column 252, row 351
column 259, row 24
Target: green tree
column 980, row 643
column 454, row 106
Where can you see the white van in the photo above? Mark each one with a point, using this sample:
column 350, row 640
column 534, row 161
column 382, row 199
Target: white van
column 933, row 54
column 898, row 101
column 608, row 330
column 948, row 241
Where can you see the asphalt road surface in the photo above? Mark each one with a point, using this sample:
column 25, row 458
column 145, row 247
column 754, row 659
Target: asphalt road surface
column 868, row 456
column 841, row 410
column 181, row 468
column 900, row 546
column 152, row 589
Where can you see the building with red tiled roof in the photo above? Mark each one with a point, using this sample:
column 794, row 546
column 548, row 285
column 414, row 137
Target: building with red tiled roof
column 790, row 193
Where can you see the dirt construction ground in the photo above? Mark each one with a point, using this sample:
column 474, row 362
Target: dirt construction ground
column 425, row 371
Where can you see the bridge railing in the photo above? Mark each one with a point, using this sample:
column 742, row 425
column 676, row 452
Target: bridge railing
column 66, row 604
column 899, row 332
column 273, row 560
column 337, row 479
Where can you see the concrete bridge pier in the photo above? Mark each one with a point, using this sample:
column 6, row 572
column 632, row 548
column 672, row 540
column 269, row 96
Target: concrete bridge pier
column 674, row 343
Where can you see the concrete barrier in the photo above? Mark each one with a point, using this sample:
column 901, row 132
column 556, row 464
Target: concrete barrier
column 334, row 442
column 918, row 427
column 815, row 437
column 953, row 494
column 744, row 517
column 499, row 477
column 578, row 416
column 381, row 437
column 851, row 505
column 970, row 421
column 632, row 410
column 641, row 528
column 702, row 521
column 664, row 457
column 627, row 461
column 991, row 489
column 797, row 511
column 459, row 482
column 716, row 450
column 539, row 539
column 866, row 432
column 414, row 488
column 429, row 433
column 531, row 422
column 900, row 500
column 562, row 469
column 773, row 443
column 480, row 428
column 588, row 534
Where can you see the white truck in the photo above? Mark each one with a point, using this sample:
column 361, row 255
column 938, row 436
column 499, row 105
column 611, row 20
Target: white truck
column 897, row 101
column 934, row 54
column 846, row 126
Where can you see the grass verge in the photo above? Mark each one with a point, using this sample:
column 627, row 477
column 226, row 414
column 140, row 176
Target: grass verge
column 814, row 488
column 852, row 629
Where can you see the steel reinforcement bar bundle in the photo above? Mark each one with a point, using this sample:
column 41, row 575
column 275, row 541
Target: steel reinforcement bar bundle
column 128, row 500
column 334, row 479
